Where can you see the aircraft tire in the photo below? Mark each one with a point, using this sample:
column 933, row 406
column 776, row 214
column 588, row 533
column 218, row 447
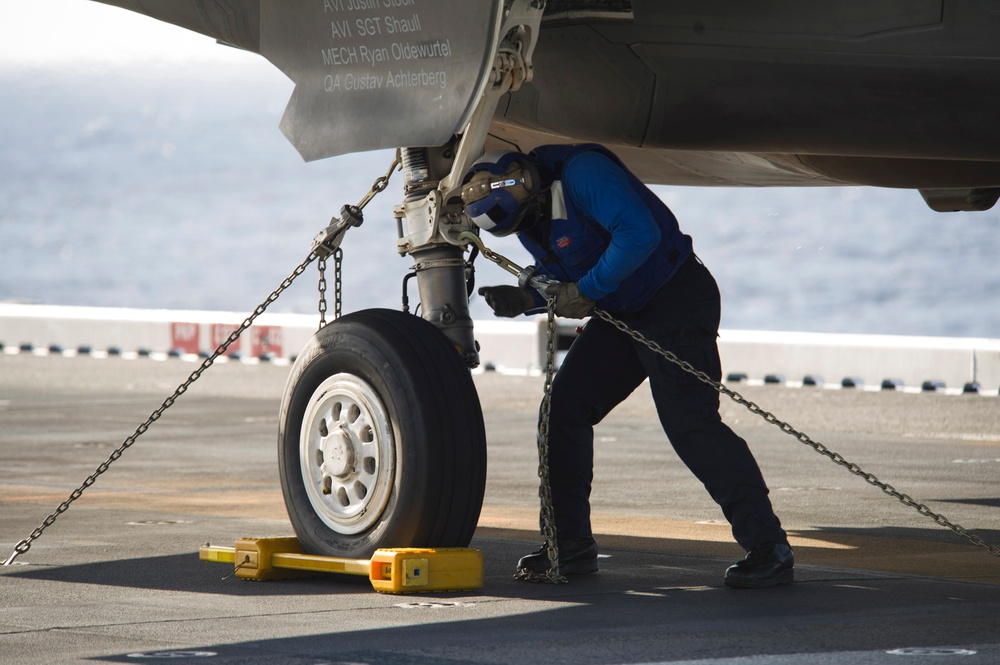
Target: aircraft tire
column 381, row 439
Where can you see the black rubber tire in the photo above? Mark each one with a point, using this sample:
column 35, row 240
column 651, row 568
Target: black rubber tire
column 438, row 438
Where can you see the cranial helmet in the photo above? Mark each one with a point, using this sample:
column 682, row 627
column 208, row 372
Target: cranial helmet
column 497, row 189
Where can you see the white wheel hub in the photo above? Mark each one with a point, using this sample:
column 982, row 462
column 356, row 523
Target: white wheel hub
column 338, row 453
column 347, row 454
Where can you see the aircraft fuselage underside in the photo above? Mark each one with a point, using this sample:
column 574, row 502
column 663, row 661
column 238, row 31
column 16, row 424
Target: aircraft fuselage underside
column 891, row 94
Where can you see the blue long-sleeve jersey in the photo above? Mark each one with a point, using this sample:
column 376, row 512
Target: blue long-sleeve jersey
column 604, row 230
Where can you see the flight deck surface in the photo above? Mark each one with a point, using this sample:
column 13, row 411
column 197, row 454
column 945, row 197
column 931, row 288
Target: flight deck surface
column 117, row 577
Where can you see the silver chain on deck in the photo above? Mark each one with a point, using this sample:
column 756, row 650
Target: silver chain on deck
column 24, row 545
column 836, row 458
column 316, row 253
column 552, row 575
column 543, row 427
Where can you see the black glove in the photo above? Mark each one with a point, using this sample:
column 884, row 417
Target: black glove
column 569, row 301
column 507, row 300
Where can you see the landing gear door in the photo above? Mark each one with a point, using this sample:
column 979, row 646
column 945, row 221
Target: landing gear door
column 375, row 74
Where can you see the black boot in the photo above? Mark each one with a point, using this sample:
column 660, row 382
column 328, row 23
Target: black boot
column 766, row 565
column 576, row 557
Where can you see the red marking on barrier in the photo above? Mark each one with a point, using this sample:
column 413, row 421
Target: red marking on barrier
column 265, row 340
column 184, row 336
column 220, row 333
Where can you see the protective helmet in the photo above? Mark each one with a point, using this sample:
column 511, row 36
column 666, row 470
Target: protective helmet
column 498, row 188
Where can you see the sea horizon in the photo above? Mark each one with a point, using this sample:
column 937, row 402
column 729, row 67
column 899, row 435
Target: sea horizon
column 169, row 185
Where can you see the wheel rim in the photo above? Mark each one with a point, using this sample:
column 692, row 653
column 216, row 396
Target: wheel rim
column 346, row 453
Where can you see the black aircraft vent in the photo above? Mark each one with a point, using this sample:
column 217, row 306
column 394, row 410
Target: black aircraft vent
column 555, row 7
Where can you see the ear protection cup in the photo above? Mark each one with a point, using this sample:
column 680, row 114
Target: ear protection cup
column 497, row 189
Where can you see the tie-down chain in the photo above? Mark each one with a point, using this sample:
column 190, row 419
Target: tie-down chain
column 548, row 523
column 327, row 242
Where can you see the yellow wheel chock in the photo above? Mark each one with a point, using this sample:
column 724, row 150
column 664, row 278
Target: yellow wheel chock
column 398, row 570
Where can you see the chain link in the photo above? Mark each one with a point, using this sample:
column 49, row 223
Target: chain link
column 836, row 458
column 338, row 281
column 380, row 183
column 338, row 285
column 321, row 265
column 552, row 575
column 24, row 545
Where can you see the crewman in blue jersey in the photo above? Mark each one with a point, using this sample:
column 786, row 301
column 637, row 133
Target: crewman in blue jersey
column 610, row 242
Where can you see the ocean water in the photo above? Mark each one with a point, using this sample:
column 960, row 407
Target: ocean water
column 150, row 188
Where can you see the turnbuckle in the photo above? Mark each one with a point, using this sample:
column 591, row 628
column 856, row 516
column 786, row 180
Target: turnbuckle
column 328, row 240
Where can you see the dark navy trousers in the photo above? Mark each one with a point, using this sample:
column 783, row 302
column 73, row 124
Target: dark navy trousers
column 603, row 366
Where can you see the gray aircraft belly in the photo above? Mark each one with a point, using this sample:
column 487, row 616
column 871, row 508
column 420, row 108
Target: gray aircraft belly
column 381, row 61
column 368, row 74
column 885, row 94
